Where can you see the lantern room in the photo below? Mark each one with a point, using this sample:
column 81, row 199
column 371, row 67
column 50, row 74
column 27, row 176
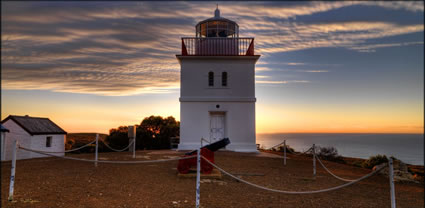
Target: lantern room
column 217, row 27
column 217, row 36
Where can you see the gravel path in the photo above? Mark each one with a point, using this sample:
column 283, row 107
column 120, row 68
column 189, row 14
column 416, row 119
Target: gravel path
column 52, row 182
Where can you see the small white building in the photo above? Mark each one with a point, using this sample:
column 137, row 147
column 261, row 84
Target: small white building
column 33, row 133
column 217, row 86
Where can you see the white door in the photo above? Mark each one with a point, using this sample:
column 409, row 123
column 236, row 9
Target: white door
column 216, row 127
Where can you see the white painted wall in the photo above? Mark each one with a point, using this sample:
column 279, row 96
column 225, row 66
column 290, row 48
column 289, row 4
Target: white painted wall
column 239, row 124
column 37, row 142
column 240, row 72
column 237, row 100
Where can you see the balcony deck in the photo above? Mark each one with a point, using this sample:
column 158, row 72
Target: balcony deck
column 217, row 46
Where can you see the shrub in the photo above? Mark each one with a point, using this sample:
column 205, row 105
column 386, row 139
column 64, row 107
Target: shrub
column 374, row 160
column 357, row 163
column 69, row 144
column 329, row 153
column 288, row 149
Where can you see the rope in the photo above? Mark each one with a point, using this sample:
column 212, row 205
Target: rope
column 108, row 161
column 275, row 146
column 301, row 153
column 337, row 177
column 202, row 139
column 132, row 141
column 289, row 149
column 295, row 192
column 72, row 150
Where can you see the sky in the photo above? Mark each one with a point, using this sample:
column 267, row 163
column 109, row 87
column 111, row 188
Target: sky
column 334, row 67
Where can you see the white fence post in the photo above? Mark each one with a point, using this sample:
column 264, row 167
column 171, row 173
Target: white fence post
column 12, row 171
column 134, row 145
column 314, row 160
column 284, row 152
column 198, row 178
column 97, row 143
column 391, row 176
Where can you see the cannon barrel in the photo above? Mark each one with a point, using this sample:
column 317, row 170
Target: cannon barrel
column 214, row 146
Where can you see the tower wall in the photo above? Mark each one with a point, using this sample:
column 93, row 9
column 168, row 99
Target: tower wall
column 236, row 101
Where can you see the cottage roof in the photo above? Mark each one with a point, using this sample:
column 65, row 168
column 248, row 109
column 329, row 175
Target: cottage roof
column 3, row 129
column 36, row 125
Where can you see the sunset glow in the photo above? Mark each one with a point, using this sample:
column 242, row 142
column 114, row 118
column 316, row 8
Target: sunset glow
column 338, row 67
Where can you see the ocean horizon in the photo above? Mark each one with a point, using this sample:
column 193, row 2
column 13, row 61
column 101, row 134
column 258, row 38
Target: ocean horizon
column 409, row 148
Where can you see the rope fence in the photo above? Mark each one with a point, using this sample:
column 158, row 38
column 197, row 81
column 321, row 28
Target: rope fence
column 116, row 150
column 294, row 192
column 199, row 157
column 107, row 161
column 337, row 177
column 72, row 150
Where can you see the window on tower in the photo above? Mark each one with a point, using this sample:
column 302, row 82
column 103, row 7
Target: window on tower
column 210, row 78
column 224, row 79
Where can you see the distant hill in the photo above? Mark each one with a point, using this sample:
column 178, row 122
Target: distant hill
column 74, row 140
column 84, row 137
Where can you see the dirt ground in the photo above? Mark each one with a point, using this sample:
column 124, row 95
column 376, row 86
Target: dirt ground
column 53, row 182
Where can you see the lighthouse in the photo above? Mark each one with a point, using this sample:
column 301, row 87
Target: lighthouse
column 217, row 86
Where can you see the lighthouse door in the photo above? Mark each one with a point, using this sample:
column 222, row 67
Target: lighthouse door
column 216, row 126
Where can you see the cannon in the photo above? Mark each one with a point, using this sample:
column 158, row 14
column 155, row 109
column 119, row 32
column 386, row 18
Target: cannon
column 207, row 151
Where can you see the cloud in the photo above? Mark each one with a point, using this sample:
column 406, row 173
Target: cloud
column 372, row 47
column 313, row 71
column 280, row 82
column 295, row 64
column 345, row 35
column 125, row 48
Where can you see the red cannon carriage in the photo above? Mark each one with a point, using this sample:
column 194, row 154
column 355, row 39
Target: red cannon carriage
column 208, row 152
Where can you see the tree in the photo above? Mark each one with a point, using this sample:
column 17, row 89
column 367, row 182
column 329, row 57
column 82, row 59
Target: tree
column 118, row 138
column 154, row 132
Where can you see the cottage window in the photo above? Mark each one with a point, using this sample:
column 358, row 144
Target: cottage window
column 224, row 79
column 210, row 79
column 48, row 141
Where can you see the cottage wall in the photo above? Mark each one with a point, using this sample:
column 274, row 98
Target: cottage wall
column 16, row 133
column 37, row 142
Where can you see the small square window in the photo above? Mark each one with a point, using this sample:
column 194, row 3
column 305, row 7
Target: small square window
column 48, row 141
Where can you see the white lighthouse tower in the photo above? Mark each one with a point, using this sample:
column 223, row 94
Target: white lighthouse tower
column 217, row 89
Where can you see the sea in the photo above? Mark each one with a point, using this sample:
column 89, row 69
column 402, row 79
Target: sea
column 408, row 148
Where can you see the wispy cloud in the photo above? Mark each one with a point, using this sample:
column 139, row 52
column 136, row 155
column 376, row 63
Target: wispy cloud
column 295, row 64
column 313, row 71
column 128, row 47
column 280, row 82
column 372, row 47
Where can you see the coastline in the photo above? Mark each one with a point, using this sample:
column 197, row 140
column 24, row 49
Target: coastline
column 416, row 170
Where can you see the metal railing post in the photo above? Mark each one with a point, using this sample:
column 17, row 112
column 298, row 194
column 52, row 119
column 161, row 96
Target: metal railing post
column 97, row 143
column 284, row 152
column 391, row 176
column 198, row 178
column 12, row 171
column 314, row 160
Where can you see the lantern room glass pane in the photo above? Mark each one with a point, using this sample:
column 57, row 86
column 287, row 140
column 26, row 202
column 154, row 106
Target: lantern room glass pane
column 217, row 28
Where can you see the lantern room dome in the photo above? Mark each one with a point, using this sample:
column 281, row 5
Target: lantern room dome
column 217, row 27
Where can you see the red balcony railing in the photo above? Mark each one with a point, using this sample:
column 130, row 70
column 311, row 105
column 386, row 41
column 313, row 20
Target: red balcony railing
column 217, row 46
